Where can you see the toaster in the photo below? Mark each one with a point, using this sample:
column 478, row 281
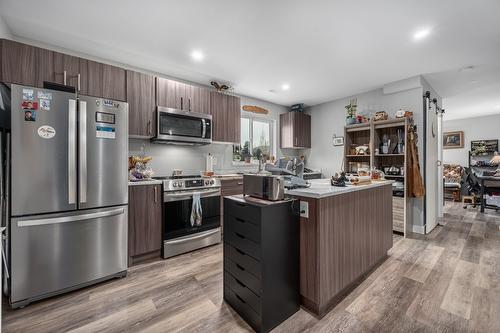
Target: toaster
column 265, row 187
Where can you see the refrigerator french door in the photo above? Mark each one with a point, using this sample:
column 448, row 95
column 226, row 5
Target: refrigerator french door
column 68, row 192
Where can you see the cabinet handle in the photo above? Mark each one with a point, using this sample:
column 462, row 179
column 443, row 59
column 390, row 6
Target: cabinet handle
column 181, row 104
column 189, row 104
column 241, row 183
column 64, row 77
column 79, row 81
column 156, row 197
column 149, row 127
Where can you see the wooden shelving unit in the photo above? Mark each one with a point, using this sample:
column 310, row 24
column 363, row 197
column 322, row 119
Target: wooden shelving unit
column 371, row 134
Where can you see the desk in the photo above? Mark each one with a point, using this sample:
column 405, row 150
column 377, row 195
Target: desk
column 488, row 184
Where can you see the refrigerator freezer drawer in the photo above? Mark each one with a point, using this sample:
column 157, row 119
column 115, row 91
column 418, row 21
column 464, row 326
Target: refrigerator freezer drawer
column 58, row 252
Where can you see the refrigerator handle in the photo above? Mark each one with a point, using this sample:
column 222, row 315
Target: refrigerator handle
column 72, row 152
column 83, row 152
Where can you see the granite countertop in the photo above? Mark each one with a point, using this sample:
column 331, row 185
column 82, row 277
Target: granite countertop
column 321, row 188
column 145, row 182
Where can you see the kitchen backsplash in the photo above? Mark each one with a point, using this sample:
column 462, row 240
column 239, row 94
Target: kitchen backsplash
column 191, row 159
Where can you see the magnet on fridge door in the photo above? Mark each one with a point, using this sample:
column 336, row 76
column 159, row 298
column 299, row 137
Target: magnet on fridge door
column 44, row 95
column 46, row 132
column 44, row 104
column 29, row 105
column 105, row 132
column 28, row 94
column 29, row 115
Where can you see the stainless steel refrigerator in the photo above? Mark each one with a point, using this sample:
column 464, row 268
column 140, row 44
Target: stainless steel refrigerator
column 64, row 185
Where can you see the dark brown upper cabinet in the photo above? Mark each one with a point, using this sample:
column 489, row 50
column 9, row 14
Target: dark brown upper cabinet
column 182, row 96
column 141, row 104
column 170, row 93
column 144, row 222
column 198, row 99
column 18, row 63
column 66, row 69
column 226, row 117
column 295, row 130
column 102, row 80
column 45, row 70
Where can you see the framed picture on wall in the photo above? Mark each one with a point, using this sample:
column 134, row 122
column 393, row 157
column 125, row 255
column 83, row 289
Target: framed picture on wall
column 452, row 140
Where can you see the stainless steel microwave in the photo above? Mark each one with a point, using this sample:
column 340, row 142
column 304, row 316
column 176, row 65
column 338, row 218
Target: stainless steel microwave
column 182, row 127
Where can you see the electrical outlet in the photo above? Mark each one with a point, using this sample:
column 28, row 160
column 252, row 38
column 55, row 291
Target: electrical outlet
column 304, row 209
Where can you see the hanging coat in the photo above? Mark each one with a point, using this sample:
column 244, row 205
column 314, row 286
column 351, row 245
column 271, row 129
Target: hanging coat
column 415, row 182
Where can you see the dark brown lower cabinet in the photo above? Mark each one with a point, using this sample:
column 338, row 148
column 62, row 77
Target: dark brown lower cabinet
column 261, row 260
column 144, row 223
column 229, row 187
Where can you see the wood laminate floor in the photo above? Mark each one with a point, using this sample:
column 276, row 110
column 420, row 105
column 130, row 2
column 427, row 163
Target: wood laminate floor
column 448, row 281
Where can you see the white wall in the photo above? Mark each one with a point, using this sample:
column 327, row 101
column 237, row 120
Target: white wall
column 329, row 118
column 4, row 30
column 479, row 128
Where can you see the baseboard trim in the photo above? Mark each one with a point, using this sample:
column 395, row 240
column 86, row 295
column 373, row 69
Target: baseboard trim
column 418, row 229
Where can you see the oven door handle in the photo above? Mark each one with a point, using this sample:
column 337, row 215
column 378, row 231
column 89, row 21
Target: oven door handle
column 191, row 238
column 185, row 196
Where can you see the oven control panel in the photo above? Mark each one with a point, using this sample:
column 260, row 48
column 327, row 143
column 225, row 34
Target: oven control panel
column 192, row 183
column 189, row 183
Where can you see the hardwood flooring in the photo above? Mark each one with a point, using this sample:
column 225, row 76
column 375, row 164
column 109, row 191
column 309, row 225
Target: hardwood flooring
column 447, row 281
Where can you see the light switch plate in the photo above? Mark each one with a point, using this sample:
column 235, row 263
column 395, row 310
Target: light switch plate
column 304, row 209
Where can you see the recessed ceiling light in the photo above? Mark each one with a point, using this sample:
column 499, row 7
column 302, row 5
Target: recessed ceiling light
column 197, row 55
column 285, row 86
column 421, row 34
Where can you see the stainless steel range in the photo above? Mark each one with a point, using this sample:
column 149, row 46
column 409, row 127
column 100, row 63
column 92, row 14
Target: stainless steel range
column 180, row 197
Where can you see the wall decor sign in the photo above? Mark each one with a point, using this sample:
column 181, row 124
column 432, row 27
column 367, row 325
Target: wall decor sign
column 453, row 140
column 338, row 140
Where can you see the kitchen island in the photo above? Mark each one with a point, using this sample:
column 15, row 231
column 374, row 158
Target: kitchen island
column 345, row 232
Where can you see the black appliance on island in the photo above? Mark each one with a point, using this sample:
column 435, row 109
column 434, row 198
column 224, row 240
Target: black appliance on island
column 261, row 259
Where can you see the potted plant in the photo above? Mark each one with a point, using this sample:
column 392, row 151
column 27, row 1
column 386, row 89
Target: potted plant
column 245, row 152
column 351, row 112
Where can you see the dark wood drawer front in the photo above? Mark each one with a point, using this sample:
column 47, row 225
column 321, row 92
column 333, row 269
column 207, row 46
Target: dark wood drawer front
column 239, row 272
column 244, row 211
column 240, row 289
column 241, row 258
column 240, row 226
column 232, row 187
column 243, row 309
column 244, row 244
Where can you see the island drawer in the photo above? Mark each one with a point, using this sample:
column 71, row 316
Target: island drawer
column 246, row 245
column 243, row 309
column 248, row 212
column 241, row 258
column 245, row 293
column 239, row 272
column 243, row 227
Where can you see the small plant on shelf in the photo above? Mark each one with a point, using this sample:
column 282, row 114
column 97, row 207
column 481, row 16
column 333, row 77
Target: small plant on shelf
column 351, row 112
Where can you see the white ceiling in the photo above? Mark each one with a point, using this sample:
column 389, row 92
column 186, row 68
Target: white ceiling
column 468, row 93
column 323, row 49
